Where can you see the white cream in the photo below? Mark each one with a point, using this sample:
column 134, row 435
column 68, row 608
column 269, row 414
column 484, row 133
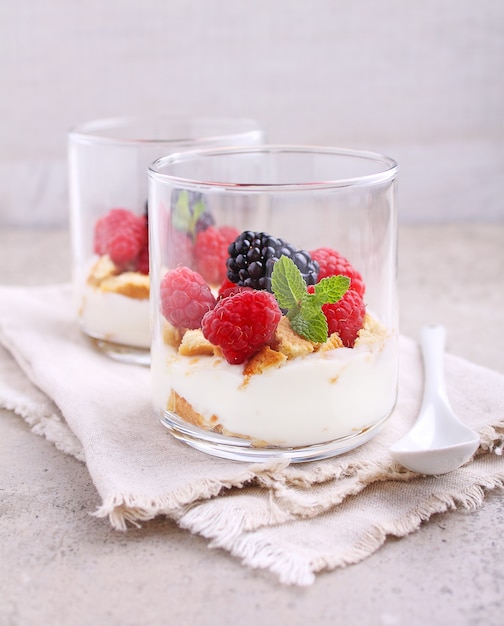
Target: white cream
column 317, row 398
column 116, row 318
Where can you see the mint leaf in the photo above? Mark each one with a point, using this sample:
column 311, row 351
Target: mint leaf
column 313, row 327
column 331, row 289
column 287, row 283
column 304, row 310
column 198, row 210
column 185, row 217
column 181, row 218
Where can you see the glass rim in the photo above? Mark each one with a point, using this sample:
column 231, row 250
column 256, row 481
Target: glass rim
column 387, row 174
column 100, row 130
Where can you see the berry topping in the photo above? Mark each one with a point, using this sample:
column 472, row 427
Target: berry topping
column 332, row 263
column 304, row 305
column 185, row 298
column 252, row 256
column 226, row 285
column 210, row 252
column 121, row 234
column 242, row 324
column 204, row 221
column 346, row 317
column 230, row 289
column 180, row 248
column 142, row 261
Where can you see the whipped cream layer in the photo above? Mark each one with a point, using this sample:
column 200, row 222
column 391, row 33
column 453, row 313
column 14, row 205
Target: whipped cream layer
column 115, row 317
column 314, row 399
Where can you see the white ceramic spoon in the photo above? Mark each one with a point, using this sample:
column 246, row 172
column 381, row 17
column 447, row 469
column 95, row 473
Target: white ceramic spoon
column 438, row 442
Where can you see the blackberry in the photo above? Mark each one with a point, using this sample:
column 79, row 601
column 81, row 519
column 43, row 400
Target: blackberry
column 205, row 220
column 252, row 257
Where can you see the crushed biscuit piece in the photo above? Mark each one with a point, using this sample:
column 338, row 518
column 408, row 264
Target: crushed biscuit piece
column 183, row 409
column 103, row 268
column 372, row 333
column 333, row 342
column 130, row 284
column 172, row 336
column 194, row 343
column 263, row 360
column 179, row 405
column 290, row 343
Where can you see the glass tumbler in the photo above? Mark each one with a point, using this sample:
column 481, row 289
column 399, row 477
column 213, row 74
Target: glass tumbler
column 108, row 161
column 275, row 326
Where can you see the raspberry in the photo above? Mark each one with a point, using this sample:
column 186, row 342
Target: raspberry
column 185, row 298
column 229, row 288
column 121, row 234
column 142, row 261
column 252, row 257
column 229, row 232
column 242, row 324
column 211, row 252
column 226, row 285
column 346, row 316
column 180, row 248
column 332, row 263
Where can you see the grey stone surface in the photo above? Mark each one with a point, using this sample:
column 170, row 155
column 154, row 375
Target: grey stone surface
column 60, row 565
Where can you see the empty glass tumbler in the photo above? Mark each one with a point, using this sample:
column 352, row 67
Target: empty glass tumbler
column 108, row 161
column 273, row 294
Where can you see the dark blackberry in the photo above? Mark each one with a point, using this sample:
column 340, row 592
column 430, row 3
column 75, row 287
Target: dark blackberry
column 205, row 220
column 252, row 257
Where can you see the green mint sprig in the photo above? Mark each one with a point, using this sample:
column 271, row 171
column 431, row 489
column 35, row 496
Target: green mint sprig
column 184, row 218
column 304, row 310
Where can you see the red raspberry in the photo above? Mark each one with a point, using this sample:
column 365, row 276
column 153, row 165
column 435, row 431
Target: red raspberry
column 229, row 233
column 142, row 261
column 211, row 252
column 121, row 234
column 242, row 324
column 332, row 263
column 228, row 289
column 180, row 248
column 185, row 298
column 225, row 287
column 346, row 316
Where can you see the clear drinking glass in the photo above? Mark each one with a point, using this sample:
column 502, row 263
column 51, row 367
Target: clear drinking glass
column 108, row 161
column 275, row 326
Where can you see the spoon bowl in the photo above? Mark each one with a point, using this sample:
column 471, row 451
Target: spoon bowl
column 438, row 442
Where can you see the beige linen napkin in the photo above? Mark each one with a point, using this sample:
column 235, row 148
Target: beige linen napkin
column 294, row 520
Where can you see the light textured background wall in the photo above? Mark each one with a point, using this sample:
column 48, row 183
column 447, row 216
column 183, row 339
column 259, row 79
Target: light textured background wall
column 421, row 81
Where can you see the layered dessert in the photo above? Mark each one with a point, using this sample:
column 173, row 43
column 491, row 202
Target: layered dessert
column 114, row 289
column 114, row 297
column 269, row 343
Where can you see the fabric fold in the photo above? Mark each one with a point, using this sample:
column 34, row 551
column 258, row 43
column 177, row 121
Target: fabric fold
column 294, row 520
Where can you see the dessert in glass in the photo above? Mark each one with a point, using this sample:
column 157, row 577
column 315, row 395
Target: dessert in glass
column 108, row 161
column 274, row 309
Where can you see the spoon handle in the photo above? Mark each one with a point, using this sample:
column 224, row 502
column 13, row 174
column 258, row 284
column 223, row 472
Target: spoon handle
column 432, row 344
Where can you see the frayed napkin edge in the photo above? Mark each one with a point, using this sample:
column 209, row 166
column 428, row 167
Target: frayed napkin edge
column 132, row 509
column 256, row 551
column 50, row 426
